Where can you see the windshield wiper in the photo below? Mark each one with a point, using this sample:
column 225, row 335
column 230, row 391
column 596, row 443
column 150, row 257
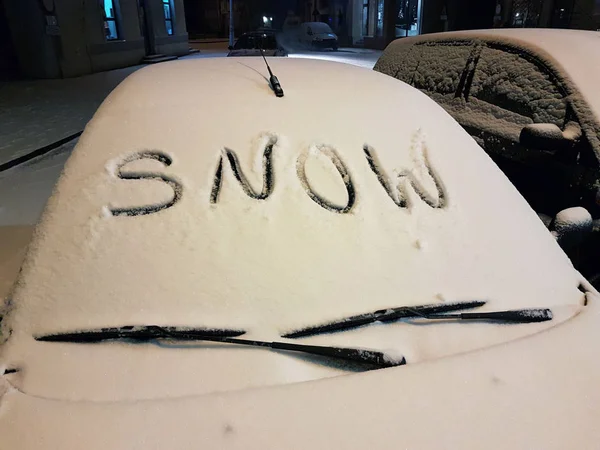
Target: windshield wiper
column 154, row 332
column 137, row 333
column 383, row 315
column 430, row 312
column 531, row 315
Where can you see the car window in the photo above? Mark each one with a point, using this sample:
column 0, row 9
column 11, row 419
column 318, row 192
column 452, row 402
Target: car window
column 509, row 81
column 242, row 42
column 266, row 42
column 440, row 65
column 269, row 43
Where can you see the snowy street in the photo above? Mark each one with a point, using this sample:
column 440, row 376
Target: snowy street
column 37, row 113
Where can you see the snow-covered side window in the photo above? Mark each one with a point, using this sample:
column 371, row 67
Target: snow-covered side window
column 440, row 65
column 514, row 84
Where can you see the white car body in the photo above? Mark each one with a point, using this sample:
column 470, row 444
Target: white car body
column 317, row 35
column 319, row 239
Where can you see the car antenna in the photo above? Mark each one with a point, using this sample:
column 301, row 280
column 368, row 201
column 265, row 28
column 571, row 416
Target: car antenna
column 272, row 79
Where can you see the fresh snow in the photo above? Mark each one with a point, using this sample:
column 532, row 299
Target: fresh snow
column 527, row 94
column 273, row 265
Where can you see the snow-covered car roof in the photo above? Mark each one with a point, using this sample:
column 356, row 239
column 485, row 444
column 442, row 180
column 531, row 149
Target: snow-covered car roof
column 197, row 198
column 573, row 53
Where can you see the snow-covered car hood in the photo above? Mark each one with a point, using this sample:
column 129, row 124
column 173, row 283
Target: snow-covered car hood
column 178, row 209
column 540, row 392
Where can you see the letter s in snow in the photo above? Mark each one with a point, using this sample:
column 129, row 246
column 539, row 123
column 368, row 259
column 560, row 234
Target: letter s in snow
column 147, row 209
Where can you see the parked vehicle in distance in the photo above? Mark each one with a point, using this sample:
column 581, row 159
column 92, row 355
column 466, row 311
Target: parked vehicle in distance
column 317, row 35
column 220, row 268
column 530, row 98
column 250, row 44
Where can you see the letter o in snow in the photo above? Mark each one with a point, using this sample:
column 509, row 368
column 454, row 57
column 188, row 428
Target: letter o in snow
column 341, row 169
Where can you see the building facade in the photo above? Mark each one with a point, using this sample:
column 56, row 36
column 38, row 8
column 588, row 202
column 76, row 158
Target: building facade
column 375, row 23
column 66, row 38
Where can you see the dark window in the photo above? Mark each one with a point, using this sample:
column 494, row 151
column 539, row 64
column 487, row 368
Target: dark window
column 168, row 10
column 111, row 29
column 241, row 43
column 256, row 41
column 365, row 18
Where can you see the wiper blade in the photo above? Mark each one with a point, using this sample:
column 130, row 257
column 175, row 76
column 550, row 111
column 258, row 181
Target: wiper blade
column 153, row 332
column 513, row 316
column 384, row 315
column 137, row 333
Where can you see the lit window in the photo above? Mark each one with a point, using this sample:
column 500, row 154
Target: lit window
column 168, row 16
column 111, row 31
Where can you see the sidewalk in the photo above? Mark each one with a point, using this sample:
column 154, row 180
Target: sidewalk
column 38, row 112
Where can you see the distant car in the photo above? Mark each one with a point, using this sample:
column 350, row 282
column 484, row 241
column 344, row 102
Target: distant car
column 317, row 35
column 219, row 268
column 250, row 44
column 530, row 98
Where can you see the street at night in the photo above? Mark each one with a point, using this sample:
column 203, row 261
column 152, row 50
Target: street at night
column 299, row 224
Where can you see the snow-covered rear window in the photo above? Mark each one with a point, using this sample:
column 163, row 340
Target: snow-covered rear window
column 398, row 62
column 440, row 66
column 512, row 83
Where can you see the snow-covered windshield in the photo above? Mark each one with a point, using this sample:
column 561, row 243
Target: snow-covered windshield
column 283, row 220
column 275, row 218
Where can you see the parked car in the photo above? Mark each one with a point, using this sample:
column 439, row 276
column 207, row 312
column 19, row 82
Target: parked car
column 317, row 35
column 529, row 97
column 289, row 282
column 250, row 44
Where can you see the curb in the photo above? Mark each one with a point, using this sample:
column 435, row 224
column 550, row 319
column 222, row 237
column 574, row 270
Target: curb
column 39, row 152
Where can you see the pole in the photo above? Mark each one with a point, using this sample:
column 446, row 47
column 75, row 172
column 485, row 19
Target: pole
column 406, row 6
column 231, row 34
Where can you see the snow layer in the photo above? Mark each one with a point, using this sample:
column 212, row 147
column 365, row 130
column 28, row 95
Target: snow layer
column 571, row 54
column 278, row 261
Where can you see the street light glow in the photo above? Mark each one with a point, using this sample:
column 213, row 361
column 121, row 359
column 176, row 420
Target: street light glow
column 265, row 19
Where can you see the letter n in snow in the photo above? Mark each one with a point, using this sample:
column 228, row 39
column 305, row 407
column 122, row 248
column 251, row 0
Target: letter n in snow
column 267, row 168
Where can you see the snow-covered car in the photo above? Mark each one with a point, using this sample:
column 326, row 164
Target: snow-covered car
column 317, row 35
column 227, row 277
column 250, row 44
column 530, row 98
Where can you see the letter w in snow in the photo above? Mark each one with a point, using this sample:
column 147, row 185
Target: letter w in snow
column 422, row 170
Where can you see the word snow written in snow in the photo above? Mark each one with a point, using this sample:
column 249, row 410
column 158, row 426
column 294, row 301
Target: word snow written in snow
column 397, row 192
